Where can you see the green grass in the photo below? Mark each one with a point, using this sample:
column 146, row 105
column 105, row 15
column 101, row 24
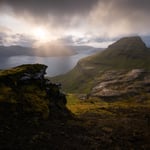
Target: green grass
column 78, row 106
column 95, row 105
column 119, row 124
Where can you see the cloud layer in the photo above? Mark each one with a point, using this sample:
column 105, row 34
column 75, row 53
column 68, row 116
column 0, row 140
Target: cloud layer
column 121, row 16
column 88, row 19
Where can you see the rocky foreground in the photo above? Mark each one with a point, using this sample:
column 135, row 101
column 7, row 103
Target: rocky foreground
column 24, row 91
column 28, row 99
column 34, row 114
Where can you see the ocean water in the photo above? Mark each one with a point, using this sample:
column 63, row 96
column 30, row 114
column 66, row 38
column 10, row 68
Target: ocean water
column 56, row 65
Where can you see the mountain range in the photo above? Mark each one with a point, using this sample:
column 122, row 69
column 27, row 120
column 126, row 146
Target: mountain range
column 122, row 57
column 43, row 51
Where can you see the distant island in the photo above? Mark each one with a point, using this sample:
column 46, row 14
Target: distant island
column 42, row 51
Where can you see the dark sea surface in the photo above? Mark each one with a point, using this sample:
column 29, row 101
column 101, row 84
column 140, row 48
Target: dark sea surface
column 56, row 65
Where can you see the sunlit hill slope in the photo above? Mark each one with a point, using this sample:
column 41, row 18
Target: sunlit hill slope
column 125, row 54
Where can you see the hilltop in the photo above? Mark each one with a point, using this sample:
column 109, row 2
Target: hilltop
column 124, row 55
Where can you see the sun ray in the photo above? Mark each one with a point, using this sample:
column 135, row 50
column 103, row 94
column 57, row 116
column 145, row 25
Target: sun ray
column 41, row 34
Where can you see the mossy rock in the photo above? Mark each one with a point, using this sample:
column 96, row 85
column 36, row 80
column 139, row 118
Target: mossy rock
column 17, row 71
column 23, row 90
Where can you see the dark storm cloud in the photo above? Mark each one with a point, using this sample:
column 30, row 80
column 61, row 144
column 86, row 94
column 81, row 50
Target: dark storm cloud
column 121, row 17
column 135, row 5
column 69, row 7
column 130, row 9
column 103, row 18
column 44, row 8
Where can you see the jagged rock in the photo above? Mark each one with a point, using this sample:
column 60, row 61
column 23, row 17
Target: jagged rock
column 25, row 77
column 123, row 84
column 24, row 90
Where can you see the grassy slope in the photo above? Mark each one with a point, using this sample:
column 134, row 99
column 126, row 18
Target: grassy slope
column 115, row 57
column 118, row 125
column 97, row 126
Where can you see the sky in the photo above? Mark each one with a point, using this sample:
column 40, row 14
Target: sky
column 74, row 22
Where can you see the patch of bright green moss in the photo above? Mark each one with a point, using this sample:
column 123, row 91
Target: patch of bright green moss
column 17, row 71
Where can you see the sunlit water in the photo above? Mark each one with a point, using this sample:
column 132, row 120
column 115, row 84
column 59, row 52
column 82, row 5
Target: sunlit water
column 56, row 65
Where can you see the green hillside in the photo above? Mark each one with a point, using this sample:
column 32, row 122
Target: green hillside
column 125, row 54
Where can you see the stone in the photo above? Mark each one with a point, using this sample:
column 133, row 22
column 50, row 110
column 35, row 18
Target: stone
column 122, row 84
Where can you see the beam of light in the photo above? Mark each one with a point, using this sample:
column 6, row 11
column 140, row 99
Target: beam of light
column 41, row 34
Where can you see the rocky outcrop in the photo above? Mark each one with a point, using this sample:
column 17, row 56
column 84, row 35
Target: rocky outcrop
column 25, row 91
column 123, row 84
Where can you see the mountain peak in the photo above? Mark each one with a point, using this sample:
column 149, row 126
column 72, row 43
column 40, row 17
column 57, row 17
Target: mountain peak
column 126, row 54
column 129, row 43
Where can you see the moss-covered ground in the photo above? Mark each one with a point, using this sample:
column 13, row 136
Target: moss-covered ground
column 96, row 125
column 113, row 125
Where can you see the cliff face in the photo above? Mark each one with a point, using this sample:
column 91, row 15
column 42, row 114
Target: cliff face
column 25, row 92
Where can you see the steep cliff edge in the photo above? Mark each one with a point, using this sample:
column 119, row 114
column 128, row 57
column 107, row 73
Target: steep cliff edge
column 25, row 92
